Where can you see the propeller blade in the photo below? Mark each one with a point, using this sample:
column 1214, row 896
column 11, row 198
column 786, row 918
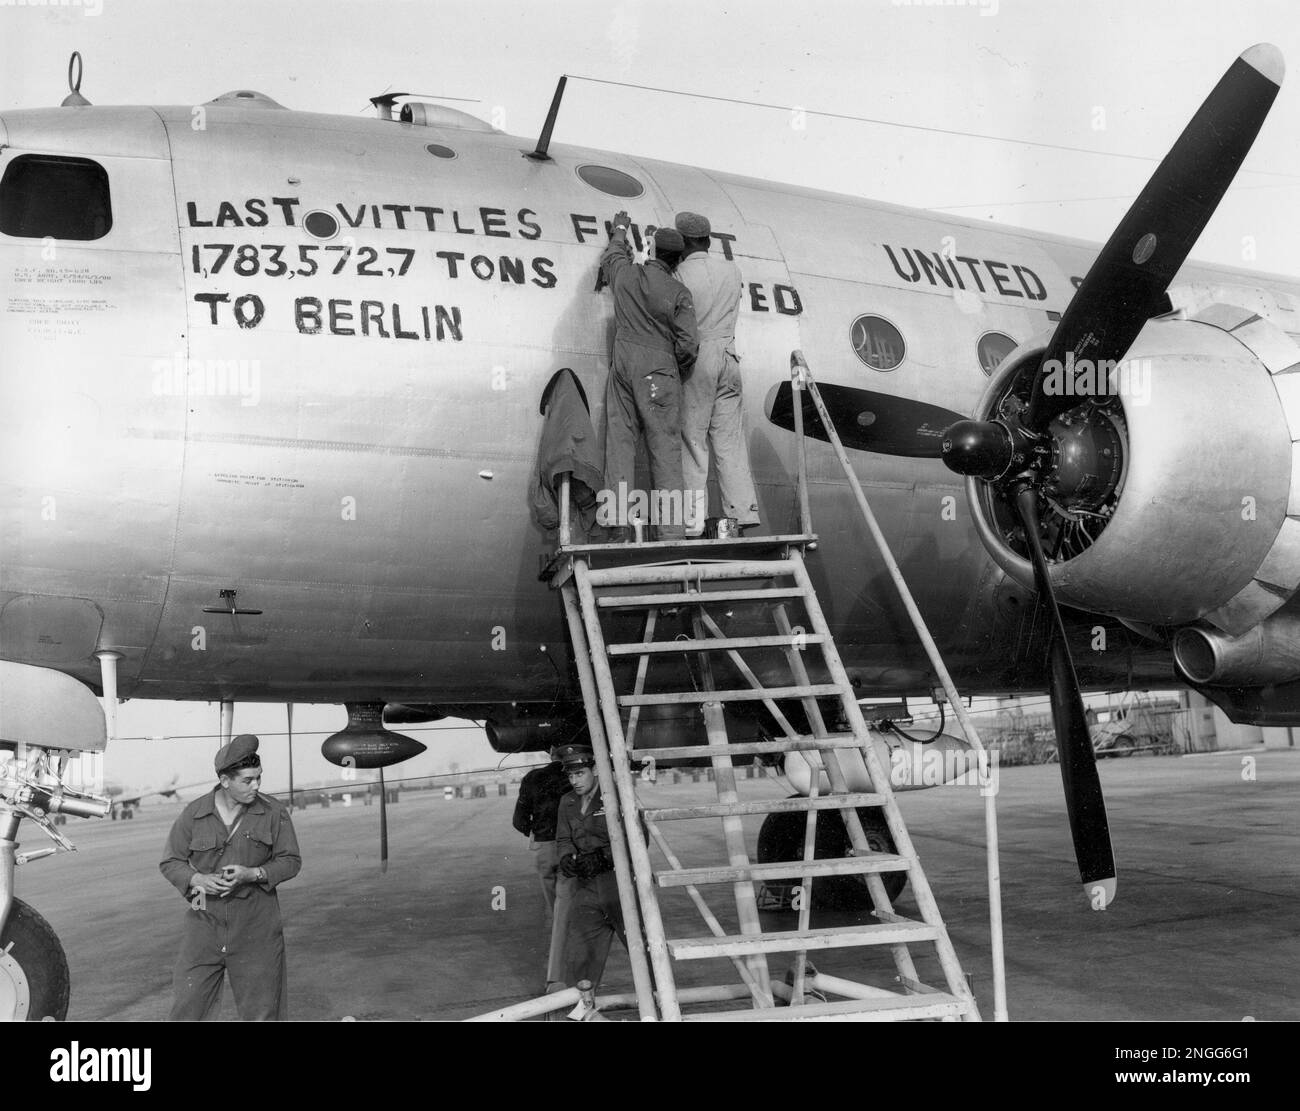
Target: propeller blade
column 1083, row 798
column 1135, row 267
column 383, row 823
column 868, row 421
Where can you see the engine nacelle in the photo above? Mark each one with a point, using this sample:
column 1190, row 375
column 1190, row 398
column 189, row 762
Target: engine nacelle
column 1172, row 493
column 43, row 708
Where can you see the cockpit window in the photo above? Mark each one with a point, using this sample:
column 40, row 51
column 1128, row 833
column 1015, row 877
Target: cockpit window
column 993, row 347
column 63, row 198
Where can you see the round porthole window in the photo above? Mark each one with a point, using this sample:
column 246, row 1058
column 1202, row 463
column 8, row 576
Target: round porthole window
column 993, row 348
column 614, row 182
column 878, row 343
column 320, row 224
column 439, row 151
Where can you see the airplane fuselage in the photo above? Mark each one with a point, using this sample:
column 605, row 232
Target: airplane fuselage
column 304, row 364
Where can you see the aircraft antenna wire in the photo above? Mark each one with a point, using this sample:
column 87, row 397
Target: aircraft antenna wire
column 894, row 123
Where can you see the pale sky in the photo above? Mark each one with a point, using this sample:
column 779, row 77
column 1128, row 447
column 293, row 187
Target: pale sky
column 1112, row 76
column 159, row 740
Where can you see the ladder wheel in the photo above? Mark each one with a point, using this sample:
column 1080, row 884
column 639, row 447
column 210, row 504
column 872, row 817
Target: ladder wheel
column 33, row 969
column 781, row 838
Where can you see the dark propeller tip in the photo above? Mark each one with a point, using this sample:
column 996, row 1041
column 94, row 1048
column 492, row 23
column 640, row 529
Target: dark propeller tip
column 981, row 448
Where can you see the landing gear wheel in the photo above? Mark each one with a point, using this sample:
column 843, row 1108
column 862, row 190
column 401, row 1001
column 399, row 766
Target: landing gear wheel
column 781, row 838
column 33, row 970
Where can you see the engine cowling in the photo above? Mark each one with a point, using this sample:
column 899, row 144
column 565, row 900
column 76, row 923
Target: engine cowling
column 1169, row 494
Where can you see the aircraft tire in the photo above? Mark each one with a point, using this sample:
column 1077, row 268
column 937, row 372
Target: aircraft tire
column 781, row 838
column 34, row 980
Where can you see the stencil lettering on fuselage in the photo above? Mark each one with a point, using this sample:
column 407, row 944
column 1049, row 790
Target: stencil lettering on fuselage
column 307, row 268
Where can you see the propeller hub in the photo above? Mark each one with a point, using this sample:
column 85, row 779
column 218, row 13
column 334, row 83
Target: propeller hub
column 979, row 448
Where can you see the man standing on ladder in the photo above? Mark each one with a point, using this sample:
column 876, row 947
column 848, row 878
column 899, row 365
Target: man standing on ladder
column 655, row 345
column 582, row 840
column 712, row 407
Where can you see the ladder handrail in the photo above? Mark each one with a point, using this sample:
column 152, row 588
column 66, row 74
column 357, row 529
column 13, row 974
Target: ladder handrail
column 802, row 378
column 638, row 945
column 615, row 766
column 805, row 511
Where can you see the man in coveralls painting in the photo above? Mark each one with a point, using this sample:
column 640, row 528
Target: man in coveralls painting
column 712, row 407
column 655, row 345
column 582, row 840
column 226, row 854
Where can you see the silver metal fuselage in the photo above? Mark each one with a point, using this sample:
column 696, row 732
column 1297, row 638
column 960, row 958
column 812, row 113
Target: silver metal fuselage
column 345, row 437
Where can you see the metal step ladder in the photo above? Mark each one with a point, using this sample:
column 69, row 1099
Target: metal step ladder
column 751, row 631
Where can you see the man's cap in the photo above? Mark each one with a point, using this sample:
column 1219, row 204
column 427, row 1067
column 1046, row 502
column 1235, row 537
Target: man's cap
column 693, row 225
column 666, row 239
column 575, row 756
column 242, row 747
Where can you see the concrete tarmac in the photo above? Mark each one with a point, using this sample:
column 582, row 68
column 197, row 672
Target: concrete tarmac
column 1204, row 925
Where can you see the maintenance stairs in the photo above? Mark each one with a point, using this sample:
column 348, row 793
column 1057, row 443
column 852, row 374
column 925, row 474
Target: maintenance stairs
column 712, row 630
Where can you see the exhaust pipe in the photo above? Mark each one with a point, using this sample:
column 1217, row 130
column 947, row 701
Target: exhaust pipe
column 1268, row 653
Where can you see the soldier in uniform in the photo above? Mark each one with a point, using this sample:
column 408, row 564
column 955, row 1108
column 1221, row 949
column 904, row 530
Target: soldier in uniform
column 596, row 916
column 712, row 408
column 536, row 814
column 654, row 350
column 226, row 854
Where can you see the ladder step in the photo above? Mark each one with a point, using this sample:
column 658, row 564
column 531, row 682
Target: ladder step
column 788, row 941
column 640, row 601
column 764, row 806
column 679, row 574
column 751, row 694
column 896, row 1009
column 803, row 743
column 780, row 869
column 714, row 644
